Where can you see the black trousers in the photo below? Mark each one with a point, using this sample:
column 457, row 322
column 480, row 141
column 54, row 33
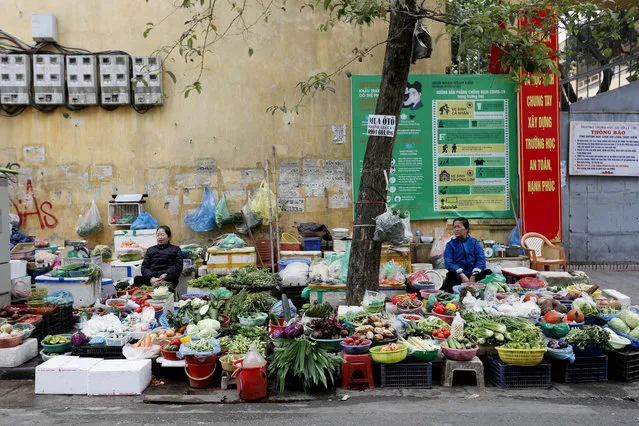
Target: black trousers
column 453, row 279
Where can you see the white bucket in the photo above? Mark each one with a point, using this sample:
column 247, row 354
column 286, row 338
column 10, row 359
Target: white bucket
column 421, row 267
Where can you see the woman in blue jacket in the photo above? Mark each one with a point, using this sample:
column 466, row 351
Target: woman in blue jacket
column 464, row 257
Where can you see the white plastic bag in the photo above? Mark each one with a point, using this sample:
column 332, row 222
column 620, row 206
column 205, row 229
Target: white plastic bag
column 90, row 223
column 132, row 353
column 295, row 273
column 457, row 327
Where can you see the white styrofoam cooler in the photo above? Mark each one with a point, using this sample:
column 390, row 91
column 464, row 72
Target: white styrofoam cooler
column 64, row 375
column 144, row 237
column 120, row 270
column 84, row 291
column 18, row 355
column 119, row 377
column 18, row 268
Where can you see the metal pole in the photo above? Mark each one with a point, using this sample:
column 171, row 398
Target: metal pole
column 270, row 216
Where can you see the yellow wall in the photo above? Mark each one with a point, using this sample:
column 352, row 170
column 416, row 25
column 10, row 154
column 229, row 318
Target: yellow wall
column 72, row 157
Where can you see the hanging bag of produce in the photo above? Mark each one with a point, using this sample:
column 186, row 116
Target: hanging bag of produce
column 457, row 327
column 262, row 201
column 222, row 214
column 203, row 219
column 90, row 223
column 390, row 228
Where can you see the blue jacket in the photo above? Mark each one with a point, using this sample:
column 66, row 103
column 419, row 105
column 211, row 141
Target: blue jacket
column 467, row 256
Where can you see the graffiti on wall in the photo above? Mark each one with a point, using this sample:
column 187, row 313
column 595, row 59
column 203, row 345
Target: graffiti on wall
column 29, row 206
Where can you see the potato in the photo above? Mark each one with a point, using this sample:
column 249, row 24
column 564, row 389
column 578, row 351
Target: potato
column 378, row 330
column 370, row 335
column 378, row 324
column 378, row 337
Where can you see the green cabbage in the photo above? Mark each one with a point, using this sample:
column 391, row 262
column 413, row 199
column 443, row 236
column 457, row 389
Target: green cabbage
column 635, row 333
column 585, row 306
column 192, row 329
column 630, row 318
column 618, row 325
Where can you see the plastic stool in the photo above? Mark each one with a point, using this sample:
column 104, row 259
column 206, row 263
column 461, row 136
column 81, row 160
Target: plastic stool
column 357, row 365
column 451, row 366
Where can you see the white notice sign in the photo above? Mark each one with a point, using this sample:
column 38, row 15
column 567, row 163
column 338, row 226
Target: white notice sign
column 381, row 125
column 604, row 148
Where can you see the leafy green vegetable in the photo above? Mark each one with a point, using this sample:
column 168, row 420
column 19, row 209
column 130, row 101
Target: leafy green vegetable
column 589, row 335
column 303, row 361
column 207, row 281
column 630, row 318
column 250, row 276
column 585, row 306
column 244, row 303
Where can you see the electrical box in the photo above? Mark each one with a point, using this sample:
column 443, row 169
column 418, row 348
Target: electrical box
column 147, row 80
column 115, row 79
column 48, row 79
column 44, row 27
column 15, row 79
column 82, row 79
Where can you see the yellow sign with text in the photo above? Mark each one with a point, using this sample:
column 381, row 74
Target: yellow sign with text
column 456, row 176
column 470, row 149
column 455, row 109
column 472, row 202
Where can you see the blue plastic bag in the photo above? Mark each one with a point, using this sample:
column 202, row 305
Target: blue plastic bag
column 145, row 221
column 203, row 219
column 279, row 311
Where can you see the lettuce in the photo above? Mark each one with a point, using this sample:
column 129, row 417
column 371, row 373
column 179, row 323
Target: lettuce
column 585, row 306
column 630, row 318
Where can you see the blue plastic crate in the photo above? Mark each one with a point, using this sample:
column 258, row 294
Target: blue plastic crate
column 407, row 375
column 583, row 370
column 513, row 377
column 312, row 244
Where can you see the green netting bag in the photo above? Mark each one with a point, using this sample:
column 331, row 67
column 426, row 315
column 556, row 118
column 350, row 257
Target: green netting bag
column 222, row 214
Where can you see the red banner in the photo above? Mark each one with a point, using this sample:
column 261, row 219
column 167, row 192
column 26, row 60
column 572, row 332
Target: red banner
column 539, row 168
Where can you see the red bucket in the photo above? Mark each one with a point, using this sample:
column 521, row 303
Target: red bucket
column 192, row 359
column 251, row 382
column 200, row 375
column 272, row 327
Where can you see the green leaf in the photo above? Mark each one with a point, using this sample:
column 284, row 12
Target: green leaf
column 146, row 32
column 250, row 51
column 607, row 52
column 186, row 93
column 172, row 76
column 327, row 3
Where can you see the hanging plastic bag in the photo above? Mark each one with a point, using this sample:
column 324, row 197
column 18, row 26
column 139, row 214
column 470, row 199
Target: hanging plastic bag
column 203, row 219
column 145, row 221
column 231, row 241
column 408, row 233
column 390, row 228
column 262, row 201
column 392, row 274
column 251, row 220
column 439, row 243
column 343, row 274
column 457, row 327
column 222, row 214
column 90, row 223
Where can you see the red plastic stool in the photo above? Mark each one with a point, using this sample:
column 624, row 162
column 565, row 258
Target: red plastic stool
column 358, row 369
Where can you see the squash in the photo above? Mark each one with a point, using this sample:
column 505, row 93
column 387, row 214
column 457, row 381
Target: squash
column 553, row 317
column 575, row 315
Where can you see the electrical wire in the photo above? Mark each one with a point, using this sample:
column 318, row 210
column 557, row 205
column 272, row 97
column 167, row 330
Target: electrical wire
column 16, row 40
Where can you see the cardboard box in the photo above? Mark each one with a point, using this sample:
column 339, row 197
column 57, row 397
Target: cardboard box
column 119, row 377
column 18, row 355
column 64, row 375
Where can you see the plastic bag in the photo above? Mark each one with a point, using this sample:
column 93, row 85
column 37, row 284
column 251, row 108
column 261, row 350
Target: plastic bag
column 145, row 221
column 279, row 312
column 390, row 228
column 295, row 274
column 222, row 214
column 439, row 243
column 392, row 274
column 90, row 223
column 318, row 272
column 262, row 201
column 457, row 327
column 513, row 237
column 408, row 233
column 343, row 274
column 231, row 241
column 561, row 354
column 185, row 349
column 251, row 220
column 203, row 219
column 14, row 220
column 490, row 293
column 419, row 277
column 373, row 298
column 494, row 278
column 132, row 353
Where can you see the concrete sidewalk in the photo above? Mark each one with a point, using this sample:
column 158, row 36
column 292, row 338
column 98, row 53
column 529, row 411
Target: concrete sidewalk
column 626, row 282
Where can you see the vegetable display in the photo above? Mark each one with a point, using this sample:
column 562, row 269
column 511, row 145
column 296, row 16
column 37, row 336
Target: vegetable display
column 376, row 329
column 291, row 331
column 55, row 340
column 241, row 345
column 356, row 340
column 449, row 308
column 102, row 250
column 7, row 331
column 417, row 344
column 452, row 343
column 317, row 310
column 245, row 302
column 585, row 306
column 251, row 276
column 589, row 335
column 304, row 362
column 325, row 328
column 425, row 327
column 210, row 281
column 409, row 304
column 192, row 312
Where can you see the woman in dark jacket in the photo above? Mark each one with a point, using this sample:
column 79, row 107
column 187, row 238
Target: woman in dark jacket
column 162, row 262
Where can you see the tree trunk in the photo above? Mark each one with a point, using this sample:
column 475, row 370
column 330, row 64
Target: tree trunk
column 363, row 267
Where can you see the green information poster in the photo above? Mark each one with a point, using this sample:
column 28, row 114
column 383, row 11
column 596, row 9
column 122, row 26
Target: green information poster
column 455, row 151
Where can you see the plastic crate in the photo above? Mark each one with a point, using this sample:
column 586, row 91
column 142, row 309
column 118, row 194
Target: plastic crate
column 511, row 377
column 101, row 351
column 584, row 369
column 312, row 243
column 624, row 365
column 407, row 375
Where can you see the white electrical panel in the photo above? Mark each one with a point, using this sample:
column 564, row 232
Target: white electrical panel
column 15, row 79
column 48, row 79
column 44, row 27
column 115, row 79
column 147, row 80
column 82, row 79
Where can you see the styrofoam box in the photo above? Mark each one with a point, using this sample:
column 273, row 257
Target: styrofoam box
column 120, row 270
column 64, row 375
column 119, row 377
column 84, row 291
column 106, row 269
column 18, row 355
column 144, row 237
column 310, row 255
column 18, row 268
column 223, row 262
column 340, row 245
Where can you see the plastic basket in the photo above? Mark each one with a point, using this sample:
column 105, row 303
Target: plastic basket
column 514, row 377
column 25, row 329
column 584, row 369
column 333, row 345
column 521, row 357
column 389, row 357
column 253, row 321
column 356, row 350
column 624, row 365
column 405, row 375
column 424, row 356
column 227, row 361
column 588, row 351
column 459, row 354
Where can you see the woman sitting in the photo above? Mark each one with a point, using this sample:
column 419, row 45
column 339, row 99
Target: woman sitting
column 464, row 257
column 162, row 262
